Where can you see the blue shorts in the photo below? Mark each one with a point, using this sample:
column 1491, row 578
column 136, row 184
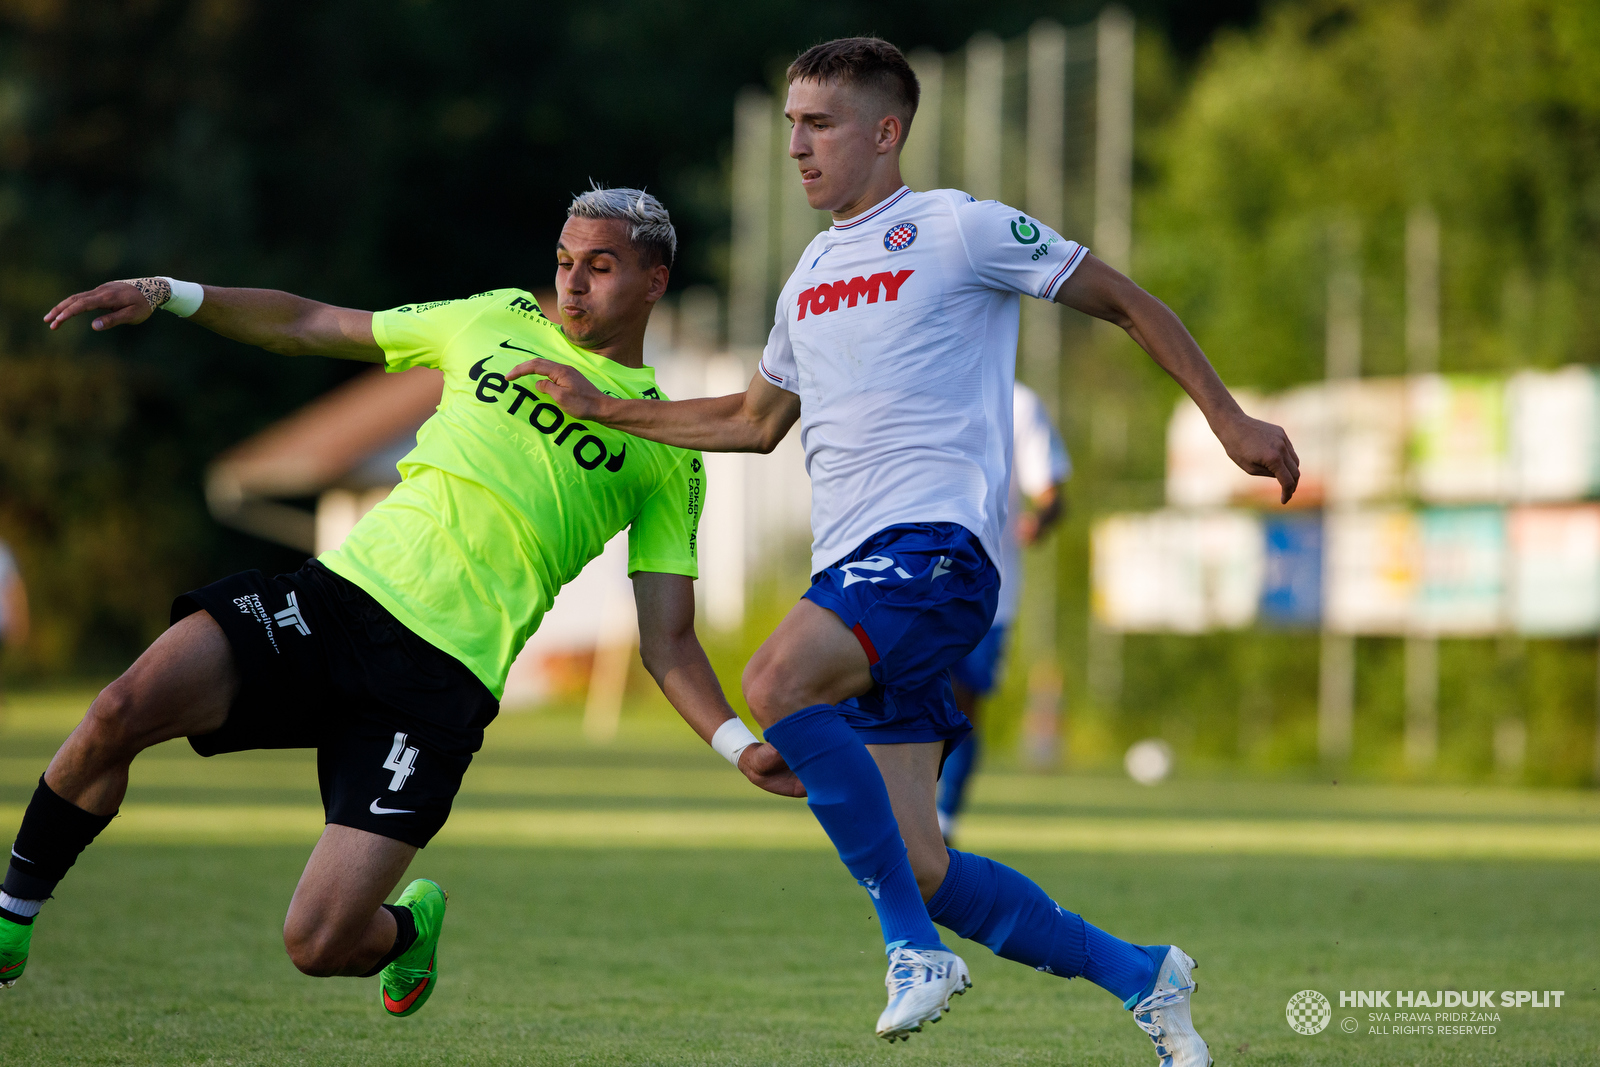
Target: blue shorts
column 980, row 668
column 918, row 597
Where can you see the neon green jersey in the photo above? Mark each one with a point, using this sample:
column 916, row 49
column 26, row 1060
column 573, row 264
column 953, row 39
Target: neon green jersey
column 505, row 499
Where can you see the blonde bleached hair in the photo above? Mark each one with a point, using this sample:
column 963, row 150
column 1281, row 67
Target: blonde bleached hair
column 649, row 225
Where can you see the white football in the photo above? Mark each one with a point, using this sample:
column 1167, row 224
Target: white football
column 1148, row 761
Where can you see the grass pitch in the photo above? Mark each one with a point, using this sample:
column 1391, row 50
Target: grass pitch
column 639, row 904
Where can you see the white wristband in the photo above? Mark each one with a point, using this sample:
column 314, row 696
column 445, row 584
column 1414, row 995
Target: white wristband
column 186, row 297
column 732, row 738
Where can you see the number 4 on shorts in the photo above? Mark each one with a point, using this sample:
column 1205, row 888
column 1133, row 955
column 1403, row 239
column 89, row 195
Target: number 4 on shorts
column 402, row 761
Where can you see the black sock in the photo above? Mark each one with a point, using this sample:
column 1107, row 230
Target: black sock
column 54, row 832
column 405, row 935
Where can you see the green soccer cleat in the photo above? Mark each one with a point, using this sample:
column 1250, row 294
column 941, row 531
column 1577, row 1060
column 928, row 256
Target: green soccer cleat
column 408, row 982
column 14, row 938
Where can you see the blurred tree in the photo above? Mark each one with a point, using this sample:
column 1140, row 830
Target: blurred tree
column 1486, row 111
column 360, row 152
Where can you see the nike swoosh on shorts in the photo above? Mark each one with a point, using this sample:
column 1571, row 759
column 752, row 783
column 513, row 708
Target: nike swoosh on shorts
column 376, row 810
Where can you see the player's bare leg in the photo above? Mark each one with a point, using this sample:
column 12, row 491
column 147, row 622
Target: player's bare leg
column 811, row 658
column 336, row 923
column 960, row 763
column 183, row 684
column 911, row 775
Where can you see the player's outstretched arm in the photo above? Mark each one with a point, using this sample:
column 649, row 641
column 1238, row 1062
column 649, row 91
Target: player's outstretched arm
column 277, row 321
column 674, row 658
column 752, row 421
column 1258, row 447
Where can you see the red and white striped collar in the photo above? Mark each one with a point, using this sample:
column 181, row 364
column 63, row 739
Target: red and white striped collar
column 905, row 191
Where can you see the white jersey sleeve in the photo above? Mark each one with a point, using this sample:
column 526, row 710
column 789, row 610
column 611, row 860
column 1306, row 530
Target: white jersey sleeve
column 1010, row 251
column 1040, row 458
column 777, row 359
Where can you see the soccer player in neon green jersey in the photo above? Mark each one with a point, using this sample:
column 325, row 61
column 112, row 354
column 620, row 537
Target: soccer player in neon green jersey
column 389, row 654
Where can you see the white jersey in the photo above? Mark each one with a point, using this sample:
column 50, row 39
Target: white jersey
column 898, row 331
column 1040, row 461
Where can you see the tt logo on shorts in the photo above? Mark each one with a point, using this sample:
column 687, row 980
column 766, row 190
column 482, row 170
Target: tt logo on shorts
column 402, row 761
column 290, row 616
column 821, row 299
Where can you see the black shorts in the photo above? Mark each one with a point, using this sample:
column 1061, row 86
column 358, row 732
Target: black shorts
column 395, row 720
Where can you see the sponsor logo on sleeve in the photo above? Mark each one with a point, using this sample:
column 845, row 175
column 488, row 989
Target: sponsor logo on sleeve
column 693, row 510
column 1027, row 232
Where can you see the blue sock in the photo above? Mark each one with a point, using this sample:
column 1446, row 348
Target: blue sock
column 958, row 767
column 996, row 906
column 847, row 795
column 1124, row 970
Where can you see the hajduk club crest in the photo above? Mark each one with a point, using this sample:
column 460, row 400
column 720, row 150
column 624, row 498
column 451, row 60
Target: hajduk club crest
column 900, row 236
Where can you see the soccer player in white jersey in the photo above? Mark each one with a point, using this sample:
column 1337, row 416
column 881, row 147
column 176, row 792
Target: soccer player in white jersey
column 894, row 345
column 1039, row 466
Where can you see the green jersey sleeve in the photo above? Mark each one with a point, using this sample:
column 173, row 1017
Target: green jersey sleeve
column 416, row 335
column 663, row 536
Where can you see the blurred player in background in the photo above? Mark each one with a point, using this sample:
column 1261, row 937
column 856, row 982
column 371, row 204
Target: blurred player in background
column 1039, row 468
column 14, row 619
column 389, row 654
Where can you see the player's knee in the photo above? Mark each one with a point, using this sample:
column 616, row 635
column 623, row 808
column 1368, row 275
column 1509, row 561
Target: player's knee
column 770, row 689
column 112, row 723
column 315, row 950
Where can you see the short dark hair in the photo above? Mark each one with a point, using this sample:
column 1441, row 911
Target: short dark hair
column 869, row 62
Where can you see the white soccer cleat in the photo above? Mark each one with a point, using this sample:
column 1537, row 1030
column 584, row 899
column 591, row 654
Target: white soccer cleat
column 920, row 983
column 1164, row 1014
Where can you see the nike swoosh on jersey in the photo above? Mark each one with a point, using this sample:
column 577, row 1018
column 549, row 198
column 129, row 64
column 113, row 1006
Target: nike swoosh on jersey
column 519, row 348
column 376, row 810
